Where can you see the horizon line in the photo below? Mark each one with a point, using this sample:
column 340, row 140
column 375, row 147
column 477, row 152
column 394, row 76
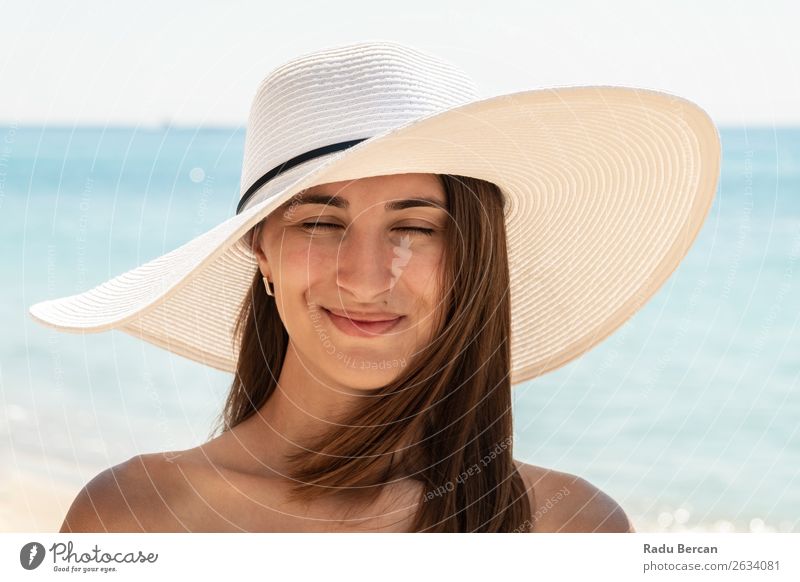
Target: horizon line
column 7, row 124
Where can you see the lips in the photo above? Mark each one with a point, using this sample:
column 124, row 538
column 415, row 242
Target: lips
column 364, row 328
column 361, row 316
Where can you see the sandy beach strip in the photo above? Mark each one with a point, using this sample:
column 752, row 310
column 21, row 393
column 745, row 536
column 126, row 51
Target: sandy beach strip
column 31, row 503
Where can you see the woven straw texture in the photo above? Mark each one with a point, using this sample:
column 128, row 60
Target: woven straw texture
column 606, row 187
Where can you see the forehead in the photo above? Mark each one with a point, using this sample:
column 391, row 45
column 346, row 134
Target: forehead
column 364, row 192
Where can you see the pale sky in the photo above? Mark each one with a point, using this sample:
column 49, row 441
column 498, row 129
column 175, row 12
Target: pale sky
column 200, row 61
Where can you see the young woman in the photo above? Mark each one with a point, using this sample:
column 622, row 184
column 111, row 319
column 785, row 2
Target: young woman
column 401, row 256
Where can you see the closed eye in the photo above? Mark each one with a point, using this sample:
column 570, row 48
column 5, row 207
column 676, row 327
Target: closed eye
column 311, row 226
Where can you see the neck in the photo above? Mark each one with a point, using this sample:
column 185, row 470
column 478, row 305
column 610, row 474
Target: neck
column 304, row 404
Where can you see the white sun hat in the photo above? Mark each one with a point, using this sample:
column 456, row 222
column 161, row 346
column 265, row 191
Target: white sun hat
column 606, row 189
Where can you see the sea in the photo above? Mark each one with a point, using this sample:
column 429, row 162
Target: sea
column 687, row 415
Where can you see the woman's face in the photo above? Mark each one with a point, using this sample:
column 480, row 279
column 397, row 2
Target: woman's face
column 358, row 290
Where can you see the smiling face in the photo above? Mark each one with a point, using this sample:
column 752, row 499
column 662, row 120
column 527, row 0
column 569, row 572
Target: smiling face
column 356, row 268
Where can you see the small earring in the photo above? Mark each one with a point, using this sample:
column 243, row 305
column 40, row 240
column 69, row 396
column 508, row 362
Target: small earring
column 266, row 286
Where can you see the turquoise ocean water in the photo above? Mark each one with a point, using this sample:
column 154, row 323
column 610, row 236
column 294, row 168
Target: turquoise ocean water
column 687, row 415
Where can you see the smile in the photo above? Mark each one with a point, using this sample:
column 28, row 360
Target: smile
column 358, row 328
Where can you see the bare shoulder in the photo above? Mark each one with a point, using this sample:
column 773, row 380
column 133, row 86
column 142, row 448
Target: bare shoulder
column 562, row 503
column 132, row 496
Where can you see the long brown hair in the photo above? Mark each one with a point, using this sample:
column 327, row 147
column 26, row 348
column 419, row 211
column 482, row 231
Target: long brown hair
column 454, row 397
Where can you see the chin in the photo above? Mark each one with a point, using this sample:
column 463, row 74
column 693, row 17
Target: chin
column 367, row 373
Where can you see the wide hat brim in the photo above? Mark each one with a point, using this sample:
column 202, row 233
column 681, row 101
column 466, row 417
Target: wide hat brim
column 607, row 188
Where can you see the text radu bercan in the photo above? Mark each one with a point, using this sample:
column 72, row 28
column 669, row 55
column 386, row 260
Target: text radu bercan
column 679, row 549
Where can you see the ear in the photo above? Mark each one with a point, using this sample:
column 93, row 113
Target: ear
column 254, row 241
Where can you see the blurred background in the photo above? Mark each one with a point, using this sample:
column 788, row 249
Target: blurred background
column 121, row 137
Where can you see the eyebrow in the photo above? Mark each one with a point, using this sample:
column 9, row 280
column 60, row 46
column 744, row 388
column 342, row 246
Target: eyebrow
column 338, row 202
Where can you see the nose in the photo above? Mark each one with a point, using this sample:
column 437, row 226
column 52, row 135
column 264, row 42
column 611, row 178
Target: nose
column 364, row 264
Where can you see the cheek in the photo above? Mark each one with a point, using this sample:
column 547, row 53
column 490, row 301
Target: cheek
column 420, row 278
column 303, row 265
column 306, row 264
column 301, row 270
